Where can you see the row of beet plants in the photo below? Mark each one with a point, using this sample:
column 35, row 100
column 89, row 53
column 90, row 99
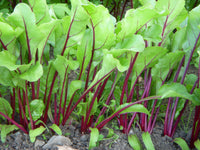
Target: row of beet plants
column 60, row 62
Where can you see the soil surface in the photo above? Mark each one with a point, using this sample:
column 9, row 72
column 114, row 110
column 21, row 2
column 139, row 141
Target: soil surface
column 78, row 141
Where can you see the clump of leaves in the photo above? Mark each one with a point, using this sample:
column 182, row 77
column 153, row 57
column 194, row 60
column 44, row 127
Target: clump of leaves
column 151, row 47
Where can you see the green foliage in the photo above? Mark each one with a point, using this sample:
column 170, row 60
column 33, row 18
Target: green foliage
column 36, row 108
column 5, row 107
column 177, row 90
column 181, row 142
column 93, row 137
column 5, row 130
column 56, row 129
column 34, row 133
column 146, row 137
column 42, row 44
column 134, row 142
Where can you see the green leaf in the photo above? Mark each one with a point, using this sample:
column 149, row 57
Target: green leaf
column 74, row 86
column 156, row 29
column 148, row 58
column 147, row 141
column 40, row 9
column 110, row 133
column 60, row 64
column 182, row 143
column 177, row 90
column 35, row 132
column 104, row 25
column 8, row 60
column 36, row 107
column 169, row 61
column 5, row 107
column 148, row 3
column 5, row 130
column 24, row 18
column 133, row 43
column 193, row 23
column 56, row 128
column 33, row 73
column 133, row 108
column 84, row 51
column 8, row 33
column 134, row 142
column 6, row 77
column 173, row 13
column 94, row 135
column 197, row 144
column 60, row 10
column 133, row 21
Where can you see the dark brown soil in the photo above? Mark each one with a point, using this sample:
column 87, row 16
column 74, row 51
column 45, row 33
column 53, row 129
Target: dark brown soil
column 20, row 141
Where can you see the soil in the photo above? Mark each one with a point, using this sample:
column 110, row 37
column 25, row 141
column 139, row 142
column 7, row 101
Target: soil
column 20, row 141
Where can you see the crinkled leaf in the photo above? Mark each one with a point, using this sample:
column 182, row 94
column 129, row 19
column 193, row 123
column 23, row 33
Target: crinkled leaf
column 40, row 9
column 147, row 141
column 182, row 143
column 35, row 132
column 36, row 107
column 24, row 18
column 8, row 60
column 156, row 29
column 174, row 14
column 56, row 129
column 8, row 33
column 104, row 25
column 60, row 10
column 33, row 73
column 94, row 135
column 5, row 130
column 133, row 43
column 134, row 142
column 6, row 77
column 5, row 107
column 134, row 20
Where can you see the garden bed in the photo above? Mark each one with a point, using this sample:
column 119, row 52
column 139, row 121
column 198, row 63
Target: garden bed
column 105, row 78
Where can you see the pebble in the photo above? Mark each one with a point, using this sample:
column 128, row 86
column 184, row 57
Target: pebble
column 39, row 143
column 57, row 140
column 84, row 138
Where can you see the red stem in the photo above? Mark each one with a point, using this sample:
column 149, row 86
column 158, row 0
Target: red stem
column 49, row 97
column 15, row 123
column 83, row 96
column 4, row 46
column 84, row 126
column 28, row 106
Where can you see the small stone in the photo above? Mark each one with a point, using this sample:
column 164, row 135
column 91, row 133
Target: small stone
column 84, row 138
column 57, row 140
column 65, row 148
column 39, row 143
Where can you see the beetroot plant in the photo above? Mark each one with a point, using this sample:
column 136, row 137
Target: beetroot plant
column 61, row 62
